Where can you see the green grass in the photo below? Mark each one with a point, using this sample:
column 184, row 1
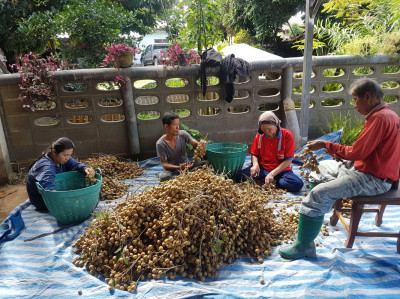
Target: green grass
column 182, row 112
column 74, row 87
column 148, row 115
column 176, row 82
column 391, row 69
column 333, row 72
column 145, row 84
column 332, row 87
column 362, row 70
column 390, row 99
column 332, row 102
column 211, row 81
column 352, row 126
column 389, row 84
column 299, row 89
column 299, row 75
column 107, row 86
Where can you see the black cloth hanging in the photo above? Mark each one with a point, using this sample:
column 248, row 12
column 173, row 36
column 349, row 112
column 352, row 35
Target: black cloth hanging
column 209, row 58
column 230, row 68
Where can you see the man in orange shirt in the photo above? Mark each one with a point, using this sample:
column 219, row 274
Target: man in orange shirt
column 376, row 157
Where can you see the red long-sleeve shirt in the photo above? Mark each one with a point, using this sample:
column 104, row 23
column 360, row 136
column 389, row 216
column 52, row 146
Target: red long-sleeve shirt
column 377, row 148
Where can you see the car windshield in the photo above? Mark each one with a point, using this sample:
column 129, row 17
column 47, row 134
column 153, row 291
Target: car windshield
column 161, row 46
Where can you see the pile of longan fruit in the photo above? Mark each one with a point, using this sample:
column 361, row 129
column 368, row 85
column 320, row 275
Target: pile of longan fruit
column 188, row 226
column 114, row 169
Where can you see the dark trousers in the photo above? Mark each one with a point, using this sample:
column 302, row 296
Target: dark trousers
column 285, row 180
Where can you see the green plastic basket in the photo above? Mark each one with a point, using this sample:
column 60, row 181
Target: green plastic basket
column 226, row 157
column 74, row 198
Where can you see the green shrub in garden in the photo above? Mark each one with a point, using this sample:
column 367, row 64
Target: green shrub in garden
column 352, row 126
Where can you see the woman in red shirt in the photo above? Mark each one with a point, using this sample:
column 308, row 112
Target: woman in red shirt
column 272, row 153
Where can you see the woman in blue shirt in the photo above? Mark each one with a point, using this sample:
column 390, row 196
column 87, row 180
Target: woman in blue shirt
column 56, row 159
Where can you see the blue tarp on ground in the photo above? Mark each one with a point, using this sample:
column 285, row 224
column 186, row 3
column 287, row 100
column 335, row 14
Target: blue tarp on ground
column 43, row 267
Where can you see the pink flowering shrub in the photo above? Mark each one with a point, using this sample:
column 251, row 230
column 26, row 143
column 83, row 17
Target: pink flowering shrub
column 116, row 50
column 194, row 57
column 37, row 84
column 120, row 80
column 176, row 55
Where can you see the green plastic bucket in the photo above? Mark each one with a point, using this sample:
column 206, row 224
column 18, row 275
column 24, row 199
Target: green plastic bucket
column 74, row 198
column 226, row 157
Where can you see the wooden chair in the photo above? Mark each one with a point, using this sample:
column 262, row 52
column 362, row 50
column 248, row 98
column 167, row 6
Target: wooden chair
column 392, row 197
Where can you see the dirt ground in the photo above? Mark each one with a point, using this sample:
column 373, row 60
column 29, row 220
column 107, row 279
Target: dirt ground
column 10, row 197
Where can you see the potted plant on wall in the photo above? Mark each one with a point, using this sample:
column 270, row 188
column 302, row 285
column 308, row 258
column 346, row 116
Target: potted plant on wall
column 37, row 85
column 120, row 55
column 176, row 56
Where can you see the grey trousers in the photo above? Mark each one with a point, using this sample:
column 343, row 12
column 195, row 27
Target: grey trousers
column 340, row 182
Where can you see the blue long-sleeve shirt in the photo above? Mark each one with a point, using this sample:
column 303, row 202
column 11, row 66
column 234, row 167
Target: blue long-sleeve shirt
column 44, row 171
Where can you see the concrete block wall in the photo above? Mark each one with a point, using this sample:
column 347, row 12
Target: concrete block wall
column 26, row 140
column 319, row 114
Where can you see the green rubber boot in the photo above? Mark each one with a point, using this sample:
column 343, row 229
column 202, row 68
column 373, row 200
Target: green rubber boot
column 304, row 246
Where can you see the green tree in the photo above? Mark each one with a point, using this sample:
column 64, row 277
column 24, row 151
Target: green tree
column 33, row 25
column 91, row 27
column 346, row 11
column 202, row 26
column 146, row 12
column 360, row 27
column 43, row 27
column 264, row 18
column 13, row 13
column 174, row 20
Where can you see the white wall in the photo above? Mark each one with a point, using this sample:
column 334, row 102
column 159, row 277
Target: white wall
column 149, row 38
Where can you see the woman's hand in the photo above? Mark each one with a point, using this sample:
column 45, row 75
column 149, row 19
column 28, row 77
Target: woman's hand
column 254, row 170
column 90, row 172
column 269, row 179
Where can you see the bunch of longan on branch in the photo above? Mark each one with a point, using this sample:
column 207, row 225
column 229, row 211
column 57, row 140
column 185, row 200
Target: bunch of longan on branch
column 200, row 152
column 310, row 161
